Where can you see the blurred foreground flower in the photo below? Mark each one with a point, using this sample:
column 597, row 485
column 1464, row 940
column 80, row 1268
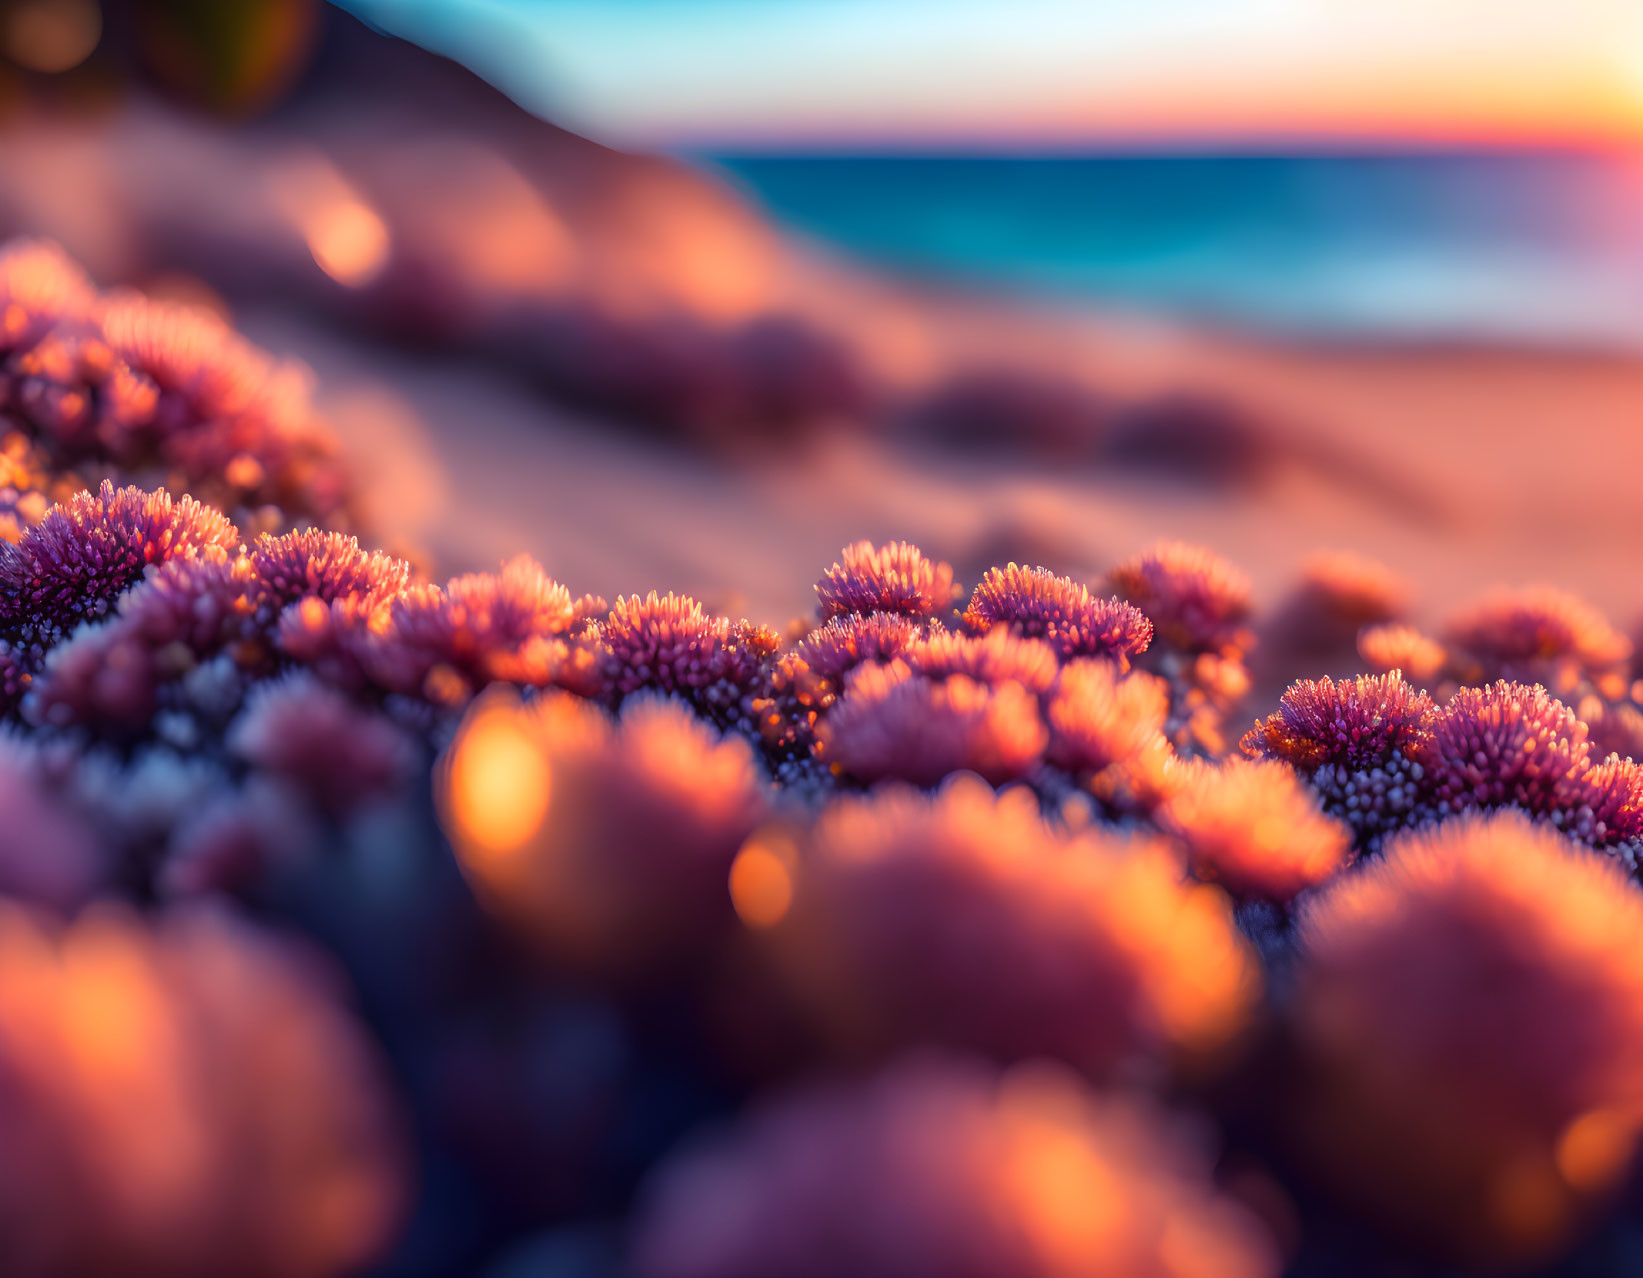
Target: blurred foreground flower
column 940, row 1167
column 964, row 919
column 609, row 844
column 183, row 1098
column 1470, row 1021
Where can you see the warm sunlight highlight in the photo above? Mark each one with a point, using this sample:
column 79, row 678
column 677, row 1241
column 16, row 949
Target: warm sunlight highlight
column 498, row 789
column 761, row 880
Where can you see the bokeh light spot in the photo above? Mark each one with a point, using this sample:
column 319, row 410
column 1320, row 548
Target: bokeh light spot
column 499, row 785
column 52, row 36
column 761, row 880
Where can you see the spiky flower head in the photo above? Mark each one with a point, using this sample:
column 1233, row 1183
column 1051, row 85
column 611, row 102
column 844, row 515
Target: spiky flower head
column 895, row 577
column 1359, row 742
column 1535, row 635
column 964, row 919
column 1505, row 744
column 90, row 549
column 830, row 652
column 1098, row 718
column 1254, row 827
column 1395, row 647
column 445, row 643
column 895, row 723
column 1035, row 603
column 314, row 563
column 806, row 680
column 1349, row 723
column 940, row 1167
column 993, row 658
column 668, row 643
column 1470, row 1019
column 1608, row 811
column 202, row 602
column 1196, row 601
column 188, row 1098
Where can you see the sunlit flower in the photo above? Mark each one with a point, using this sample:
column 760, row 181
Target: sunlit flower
column 1608, row 811
column 1471, row 1017
column 1396, row 648
column 322, row 565
column 1255, row 828
column 326, row 748
column 895, row 577
column 93, row 547
column 1535, row 635
column 184, row 1098
column 1348, row 723
column 1035, row 603
column 942, row 1167
column 668, row 643
column 993, row 658
column 893, row 722
column 609, row 844
column 806, row 680
column 1098, row 717
column 1195, row 600
column 964, row 919
column 445, row 643
column 1505, row 744
column 39, row 288
column 1359, row 741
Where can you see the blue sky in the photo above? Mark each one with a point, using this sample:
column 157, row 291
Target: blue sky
column 814, row 72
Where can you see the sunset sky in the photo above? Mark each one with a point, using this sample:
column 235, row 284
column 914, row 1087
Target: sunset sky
column 866, row 74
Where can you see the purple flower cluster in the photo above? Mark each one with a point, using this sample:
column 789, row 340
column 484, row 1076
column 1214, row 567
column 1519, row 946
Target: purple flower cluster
column 606, row 874
column 1199, row 606
column 143, row 391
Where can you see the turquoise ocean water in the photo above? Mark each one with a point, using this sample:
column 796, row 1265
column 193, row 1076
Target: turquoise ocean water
column 1540, row 247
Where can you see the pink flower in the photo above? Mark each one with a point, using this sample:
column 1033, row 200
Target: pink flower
column 90, row 549
column 607, row 844
column 667, row 643
column 892, row 722
column 326, row 748
column 942, row 1167
column 895, row 577
column 963, row 919
column 1098, row 718
column 184, row 1097
column 1255, row 828
column 1399, row 649
column 1036, row 604
column 1195, row 600
column 1505, row 744
column 1535, row 635
column 1470, row 1017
